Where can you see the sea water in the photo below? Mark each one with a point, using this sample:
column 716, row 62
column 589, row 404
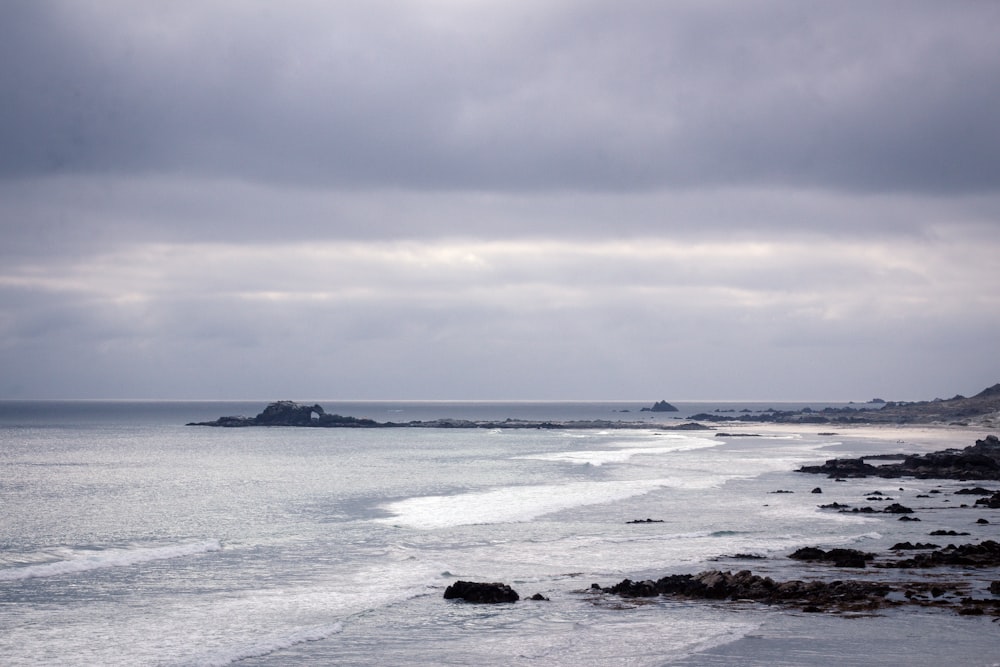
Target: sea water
column 128, row 538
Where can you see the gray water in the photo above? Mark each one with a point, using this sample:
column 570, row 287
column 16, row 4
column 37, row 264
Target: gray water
column 128, row 538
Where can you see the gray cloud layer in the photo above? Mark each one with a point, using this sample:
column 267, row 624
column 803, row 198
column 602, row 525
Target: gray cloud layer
column 610, row 96
column 436, row 199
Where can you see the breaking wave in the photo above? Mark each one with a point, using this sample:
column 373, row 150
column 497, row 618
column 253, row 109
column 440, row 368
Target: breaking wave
column 84, row 561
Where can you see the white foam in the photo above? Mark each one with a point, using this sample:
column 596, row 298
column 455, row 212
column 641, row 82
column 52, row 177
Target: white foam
column 602, row 456
column 96, row 560
column 520, row 503
column 270, row 645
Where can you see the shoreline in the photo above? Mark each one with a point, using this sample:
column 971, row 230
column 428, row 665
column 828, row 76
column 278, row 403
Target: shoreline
column 939, row 569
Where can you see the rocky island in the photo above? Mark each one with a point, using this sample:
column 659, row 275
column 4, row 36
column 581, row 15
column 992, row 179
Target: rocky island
column 982, row 409
column 290, row 413
column 661, row 406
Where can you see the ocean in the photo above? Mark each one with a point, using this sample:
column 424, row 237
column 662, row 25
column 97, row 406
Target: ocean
column 128, row 538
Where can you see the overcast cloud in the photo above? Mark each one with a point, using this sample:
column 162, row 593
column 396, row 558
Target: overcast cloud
column 499, row 200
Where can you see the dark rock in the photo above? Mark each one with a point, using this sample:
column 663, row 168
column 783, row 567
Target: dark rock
column 817, row 490
column 290, row 413
column 896, row 508
column 995, row 587
column 945, row 533
column 839, row 557
column 645, row 521
column 848, row 557
column 660, row 406
column 483, row 593
column 538, row 597
column 980, row 461
column 908, row 518
column 984, row 554
column 982, row 521
column 899, row 546
column 834, row 506
column 993, row 502
column 744, row 585
column 808, row 553
column 842, row 468
column 976, row 491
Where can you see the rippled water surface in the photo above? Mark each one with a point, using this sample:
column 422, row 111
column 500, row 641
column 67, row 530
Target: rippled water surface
column 129, row 538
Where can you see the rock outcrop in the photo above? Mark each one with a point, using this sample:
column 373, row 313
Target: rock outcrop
column 290, row 413
column 980, row 462
column 481, row 593
column 744, row 585
column 984, row 554
column 838, row 595
column 838, row 557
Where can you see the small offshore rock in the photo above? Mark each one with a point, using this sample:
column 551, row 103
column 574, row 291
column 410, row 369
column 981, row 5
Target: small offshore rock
column 839, row 557
column 481, row 593
column 660, row 406
column 896, row 508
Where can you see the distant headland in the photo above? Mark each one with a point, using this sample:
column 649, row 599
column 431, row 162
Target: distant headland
column 956, row 411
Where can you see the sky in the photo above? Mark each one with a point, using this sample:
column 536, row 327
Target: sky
column 497, row 200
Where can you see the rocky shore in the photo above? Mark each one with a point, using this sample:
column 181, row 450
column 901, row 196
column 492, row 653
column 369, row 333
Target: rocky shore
column 836, row 596
column 963, row 578
column 978, row 462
